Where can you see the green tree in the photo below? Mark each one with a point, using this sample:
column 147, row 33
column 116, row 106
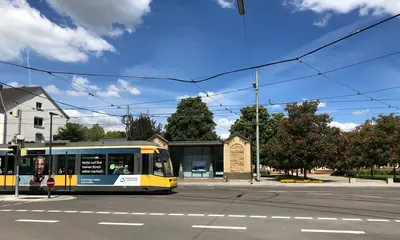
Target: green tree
column 246, row 126
column 191, row 121
column 304, row 139
column 73, row 132
column 95, row 133
column 115, row 134
column 143, row 128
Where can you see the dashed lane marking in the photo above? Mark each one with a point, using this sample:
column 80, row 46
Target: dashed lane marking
column 331, row 231
column 37, row 221
column 120, row 224
column 200, row 215
column 351, row 219
column 378, row 220
column 280, row 217
column 220, row 227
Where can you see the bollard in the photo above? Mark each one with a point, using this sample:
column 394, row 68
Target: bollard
column 352, row 180
column 389, row 180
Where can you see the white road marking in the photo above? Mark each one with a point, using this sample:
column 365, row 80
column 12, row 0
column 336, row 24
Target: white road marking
column 138, row 213
column 331, row 231
column 328, row 219
column 21, row 210
column 17, row 203
column 280, row 217
column 120, row 213
column 195, row 215
column 366, row 196
column 276, row 191
column 37, row 221
column 326, row 194
column 103, row 212
column 54, row 211
column 176, row 214
column 257, row 216
column 237, row 216
column 397, row 220
column 351, row 219
column 216, row 215
column 86, row 212
column 72, row 211
column 38, row 210
column 220, row 227
column 378, row 220
column 7, row 205
column 120, row 224
column 7, row 210
column 156, row 214
column 303, row 218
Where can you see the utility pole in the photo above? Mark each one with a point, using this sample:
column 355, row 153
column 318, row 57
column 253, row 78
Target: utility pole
column 127, row 121
column 255, row 85
column 50, row 151
column 17, row 157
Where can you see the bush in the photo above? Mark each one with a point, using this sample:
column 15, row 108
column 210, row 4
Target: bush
column 364, row 172
column 300, row 181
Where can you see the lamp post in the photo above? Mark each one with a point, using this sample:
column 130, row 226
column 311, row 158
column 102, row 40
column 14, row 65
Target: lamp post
column 240, row 7
column 255, row 85
column 50, row 148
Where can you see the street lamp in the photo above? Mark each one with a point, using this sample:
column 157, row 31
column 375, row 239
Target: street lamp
column 240, row 7
column 255, row 85
column 50, row 148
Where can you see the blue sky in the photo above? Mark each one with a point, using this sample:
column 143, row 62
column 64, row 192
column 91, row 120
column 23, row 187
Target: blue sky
column 195, row 39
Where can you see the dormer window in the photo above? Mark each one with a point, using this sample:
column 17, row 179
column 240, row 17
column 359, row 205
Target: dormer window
column 39, row 106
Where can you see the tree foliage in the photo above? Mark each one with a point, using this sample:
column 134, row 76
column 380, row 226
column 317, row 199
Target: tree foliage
column 73, row 132
column 95, row 133
column 191, row 121
column 115, row 134
column 143, row 128
column 246, row 126
column 303, row 140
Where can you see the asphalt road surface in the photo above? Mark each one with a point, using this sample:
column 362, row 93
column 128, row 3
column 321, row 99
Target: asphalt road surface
column 211, row 213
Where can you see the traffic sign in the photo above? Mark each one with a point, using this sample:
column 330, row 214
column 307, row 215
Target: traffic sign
column 50, row 182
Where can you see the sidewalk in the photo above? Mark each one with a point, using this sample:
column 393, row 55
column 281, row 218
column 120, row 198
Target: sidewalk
column 329, row 181
column 34, row 198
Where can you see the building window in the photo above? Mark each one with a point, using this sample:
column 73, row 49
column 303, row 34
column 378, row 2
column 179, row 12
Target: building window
column 38, row 122
column 38, row 106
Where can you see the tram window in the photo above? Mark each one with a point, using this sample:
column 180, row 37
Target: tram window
column 145, row 163
column 10, row 165
column 167, row 166
column 2, row 165
column 120, row 164
column 93, row 164
column 158, row 171
column 61, row 168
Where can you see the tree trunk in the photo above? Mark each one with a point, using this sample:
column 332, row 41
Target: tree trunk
column 394, row 172
column 372, row 171
column 305, row 173
column 292, row 172
column 297, row 172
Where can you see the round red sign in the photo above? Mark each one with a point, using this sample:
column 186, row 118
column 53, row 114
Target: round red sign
column 50, row 182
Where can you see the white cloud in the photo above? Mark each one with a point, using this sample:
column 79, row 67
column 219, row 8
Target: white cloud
column 226, row 3
column 223, row 126
column 53, row 89
column 346, row 127
column 365, row 7
column 112, row 91
column 127, row 87
column 76, row 93
column 23, row 27
column 81, row 83
column 361, row 112
column 104, row 17
column 275, row 106
column 15, row 84
column 109, row 123
column 324, row 21
column 321, row 105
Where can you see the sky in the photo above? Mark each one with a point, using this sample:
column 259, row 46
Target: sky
column 194, row 39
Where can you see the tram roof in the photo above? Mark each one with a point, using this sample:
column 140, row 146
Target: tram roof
column 106, row 142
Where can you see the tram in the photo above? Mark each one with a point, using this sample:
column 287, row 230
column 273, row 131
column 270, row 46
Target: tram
column 89, row 166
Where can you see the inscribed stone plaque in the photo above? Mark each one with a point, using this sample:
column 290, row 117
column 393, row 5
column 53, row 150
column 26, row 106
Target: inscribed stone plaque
column 237, row 158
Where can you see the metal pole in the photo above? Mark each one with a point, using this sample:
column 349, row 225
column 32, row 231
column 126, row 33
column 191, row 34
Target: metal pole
column 257, row 131
column 50, row 154
column 18, row 158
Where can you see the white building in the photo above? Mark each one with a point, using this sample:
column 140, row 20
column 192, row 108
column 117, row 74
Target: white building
column 36, row 106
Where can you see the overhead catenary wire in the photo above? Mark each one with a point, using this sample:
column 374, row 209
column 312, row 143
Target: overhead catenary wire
column 211, row 77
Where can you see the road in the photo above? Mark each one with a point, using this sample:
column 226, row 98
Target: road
column 211, row 213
